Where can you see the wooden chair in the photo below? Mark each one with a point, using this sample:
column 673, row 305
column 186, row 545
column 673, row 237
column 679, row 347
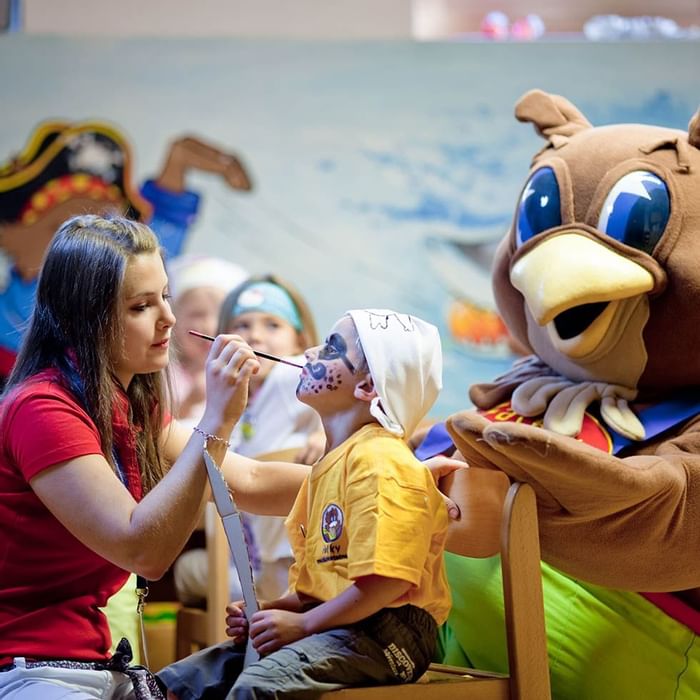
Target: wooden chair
column 197, row 628
column 518, row 545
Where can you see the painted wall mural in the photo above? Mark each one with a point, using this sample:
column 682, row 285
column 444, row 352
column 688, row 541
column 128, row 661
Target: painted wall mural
column 368, row 174
column 69, row 168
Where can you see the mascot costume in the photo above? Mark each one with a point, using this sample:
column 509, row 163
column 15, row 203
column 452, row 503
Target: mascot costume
column 599, row 276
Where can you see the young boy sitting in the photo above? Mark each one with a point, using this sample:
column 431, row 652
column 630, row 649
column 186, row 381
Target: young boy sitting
column 368, row 586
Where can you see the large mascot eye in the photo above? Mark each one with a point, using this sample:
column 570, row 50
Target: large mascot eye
column 636, row 210
column 539, row 208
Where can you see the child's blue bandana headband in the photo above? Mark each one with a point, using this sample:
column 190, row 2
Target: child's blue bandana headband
column 268, row 298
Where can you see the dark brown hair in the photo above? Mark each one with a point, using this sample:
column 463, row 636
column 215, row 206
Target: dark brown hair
column 76, row 325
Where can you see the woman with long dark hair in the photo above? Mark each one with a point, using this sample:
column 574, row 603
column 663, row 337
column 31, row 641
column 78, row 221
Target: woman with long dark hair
column 96, row 480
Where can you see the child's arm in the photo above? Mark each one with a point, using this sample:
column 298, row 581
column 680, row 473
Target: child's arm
column 271, row 629
column 366, row 596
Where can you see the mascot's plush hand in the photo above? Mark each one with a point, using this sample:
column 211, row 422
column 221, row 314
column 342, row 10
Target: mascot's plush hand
column 623, row 523
column 599, row 276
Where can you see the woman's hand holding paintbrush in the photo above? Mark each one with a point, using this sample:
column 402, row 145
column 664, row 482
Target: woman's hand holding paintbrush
column 256, row 352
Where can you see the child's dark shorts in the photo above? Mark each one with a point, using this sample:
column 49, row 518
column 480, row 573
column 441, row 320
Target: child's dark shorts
column 395, row 645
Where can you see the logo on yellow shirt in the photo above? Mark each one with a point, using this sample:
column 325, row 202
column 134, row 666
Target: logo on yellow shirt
column 332, row 522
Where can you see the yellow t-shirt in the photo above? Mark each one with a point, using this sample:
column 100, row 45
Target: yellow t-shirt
column 370, row 507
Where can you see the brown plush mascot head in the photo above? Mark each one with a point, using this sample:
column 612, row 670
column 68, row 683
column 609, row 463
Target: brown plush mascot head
column 600, row 272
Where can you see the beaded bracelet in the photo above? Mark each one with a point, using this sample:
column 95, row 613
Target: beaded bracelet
column 209, row 436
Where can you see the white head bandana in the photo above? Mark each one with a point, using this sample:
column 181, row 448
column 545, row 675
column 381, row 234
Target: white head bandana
column 191, row 271
column 405, row 360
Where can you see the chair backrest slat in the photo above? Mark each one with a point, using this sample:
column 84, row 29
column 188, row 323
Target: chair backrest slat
column 218, row 577
column 522, row 592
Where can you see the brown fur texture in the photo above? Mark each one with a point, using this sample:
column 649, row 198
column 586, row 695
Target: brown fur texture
column 633, row 520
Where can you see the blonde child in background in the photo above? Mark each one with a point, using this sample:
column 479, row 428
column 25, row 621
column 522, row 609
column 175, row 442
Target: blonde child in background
column 198, row 286
column 271, row 316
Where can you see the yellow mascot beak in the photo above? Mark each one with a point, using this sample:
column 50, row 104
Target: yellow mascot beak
column 571, row 270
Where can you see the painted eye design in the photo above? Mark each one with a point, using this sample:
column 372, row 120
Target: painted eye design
column 636, row 210
column 335, row 348
column 539, row 208
column 331, row 350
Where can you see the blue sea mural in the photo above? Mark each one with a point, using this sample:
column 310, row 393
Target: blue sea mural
column 384, row 173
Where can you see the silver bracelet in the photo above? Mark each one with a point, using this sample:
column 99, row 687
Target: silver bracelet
column 209, row 436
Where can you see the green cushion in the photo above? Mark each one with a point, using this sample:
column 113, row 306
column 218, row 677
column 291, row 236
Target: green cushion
column 603, row 644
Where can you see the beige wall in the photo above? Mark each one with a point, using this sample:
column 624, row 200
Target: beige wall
column 324, row 19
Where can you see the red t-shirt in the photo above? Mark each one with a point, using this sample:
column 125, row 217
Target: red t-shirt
column 51, row 585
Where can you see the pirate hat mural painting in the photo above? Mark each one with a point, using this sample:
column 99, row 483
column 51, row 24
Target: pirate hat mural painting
column 64, row 170
column 67, row 169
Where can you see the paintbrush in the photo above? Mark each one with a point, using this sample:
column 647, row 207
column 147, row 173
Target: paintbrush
column 257, row 352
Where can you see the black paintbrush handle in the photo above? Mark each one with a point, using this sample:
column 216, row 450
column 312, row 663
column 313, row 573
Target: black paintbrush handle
column 257, row 352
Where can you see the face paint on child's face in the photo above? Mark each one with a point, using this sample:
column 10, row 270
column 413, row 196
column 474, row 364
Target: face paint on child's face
column 322, row 372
